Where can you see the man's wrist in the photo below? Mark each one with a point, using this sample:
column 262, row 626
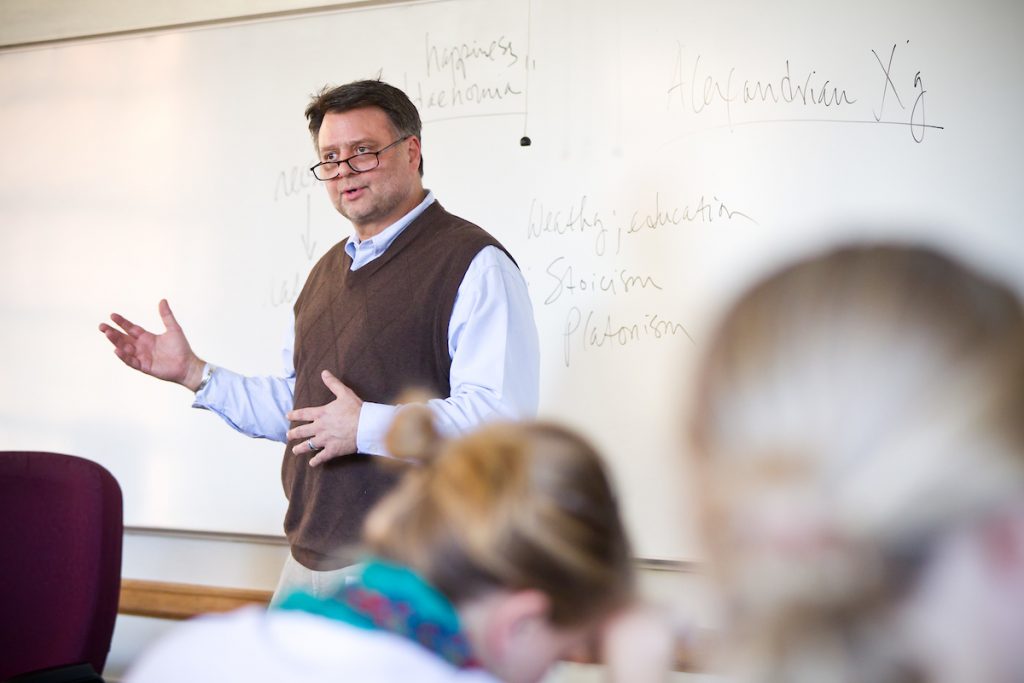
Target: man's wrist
column 372, row 427
column 208, row 371
column 198, row 375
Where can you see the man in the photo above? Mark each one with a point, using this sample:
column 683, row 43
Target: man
column 415, row 298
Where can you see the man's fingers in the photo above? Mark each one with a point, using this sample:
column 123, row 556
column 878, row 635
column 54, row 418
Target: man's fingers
column 127, row 325
column 336, row 386
column 333, row 425
column 122, row 342
column 320, row 455
column 128, row 359
column 170, row 322
column 123, row 347
column 305, row 414
column 115, row 336
column 302, row 449
column 303, row 431
column 323, row 456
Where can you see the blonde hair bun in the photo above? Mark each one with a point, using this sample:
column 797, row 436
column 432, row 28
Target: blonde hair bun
column 412, row 435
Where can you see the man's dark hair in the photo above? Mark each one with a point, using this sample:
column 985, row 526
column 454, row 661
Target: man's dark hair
column 402, row 113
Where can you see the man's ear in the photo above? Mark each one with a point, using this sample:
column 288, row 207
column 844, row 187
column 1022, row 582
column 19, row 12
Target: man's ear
column 414, row 150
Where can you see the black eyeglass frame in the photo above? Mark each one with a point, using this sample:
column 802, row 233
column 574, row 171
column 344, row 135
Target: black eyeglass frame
column 375, row 155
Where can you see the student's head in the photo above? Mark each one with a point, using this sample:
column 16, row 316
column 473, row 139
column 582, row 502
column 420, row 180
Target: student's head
column 401, row 113
column 859, row 426
column 518, row 526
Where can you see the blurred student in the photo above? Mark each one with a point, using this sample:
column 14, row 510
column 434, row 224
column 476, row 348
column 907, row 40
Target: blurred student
column 859, row 426
column 500, row 554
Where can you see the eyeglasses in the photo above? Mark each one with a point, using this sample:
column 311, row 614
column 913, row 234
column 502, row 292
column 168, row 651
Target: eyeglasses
column 359, row 163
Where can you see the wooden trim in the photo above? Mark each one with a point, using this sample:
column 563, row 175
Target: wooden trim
column 162, row 600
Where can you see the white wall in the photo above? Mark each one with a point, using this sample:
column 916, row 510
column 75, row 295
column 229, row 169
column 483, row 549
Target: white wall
column 635, row 214
column 32, row 21
column 959, row 180
column 191, row 558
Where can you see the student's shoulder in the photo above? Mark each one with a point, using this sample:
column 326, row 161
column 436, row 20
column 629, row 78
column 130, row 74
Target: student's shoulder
column 196, row 650
column 282, row 646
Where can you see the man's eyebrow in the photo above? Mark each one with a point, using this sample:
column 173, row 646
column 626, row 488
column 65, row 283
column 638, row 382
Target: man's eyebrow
column 364, row 142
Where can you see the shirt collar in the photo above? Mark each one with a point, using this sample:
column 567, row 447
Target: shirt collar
column 379, row 243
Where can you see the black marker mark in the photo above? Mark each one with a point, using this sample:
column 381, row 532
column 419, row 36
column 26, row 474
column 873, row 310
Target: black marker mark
column 588, row 333
column 568, row 281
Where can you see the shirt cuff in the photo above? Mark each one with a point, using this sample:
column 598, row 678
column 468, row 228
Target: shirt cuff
column 374, row 422
column 207, row 396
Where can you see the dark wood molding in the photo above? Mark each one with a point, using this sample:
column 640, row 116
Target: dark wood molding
column 162, row 600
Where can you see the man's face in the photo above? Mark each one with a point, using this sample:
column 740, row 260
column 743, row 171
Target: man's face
column 374, row 199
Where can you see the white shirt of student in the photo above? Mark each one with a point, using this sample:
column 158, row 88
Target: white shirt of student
column 492, row 341
column 290, row 646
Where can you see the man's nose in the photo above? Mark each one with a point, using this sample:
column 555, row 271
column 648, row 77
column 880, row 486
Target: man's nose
column 344, row 170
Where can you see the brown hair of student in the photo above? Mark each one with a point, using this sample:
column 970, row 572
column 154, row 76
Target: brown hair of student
column 510, row 506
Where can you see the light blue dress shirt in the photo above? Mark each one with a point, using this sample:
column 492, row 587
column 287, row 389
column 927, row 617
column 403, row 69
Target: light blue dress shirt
column 492, row 341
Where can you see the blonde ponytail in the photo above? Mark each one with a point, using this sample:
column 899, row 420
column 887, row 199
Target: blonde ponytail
column 511, row 506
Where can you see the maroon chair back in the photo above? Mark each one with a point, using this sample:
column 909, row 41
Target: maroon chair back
column 60, row 537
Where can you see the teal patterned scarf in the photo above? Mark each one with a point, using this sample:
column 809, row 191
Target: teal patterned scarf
column 388, row 597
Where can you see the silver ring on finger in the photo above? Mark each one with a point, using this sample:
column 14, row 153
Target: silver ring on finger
column 312, row 446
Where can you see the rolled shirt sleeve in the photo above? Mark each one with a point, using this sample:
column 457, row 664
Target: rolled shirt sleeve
column 254, row 406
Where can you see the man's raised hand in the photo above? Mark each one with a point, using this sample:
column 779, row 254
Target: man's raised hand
column 166, row 356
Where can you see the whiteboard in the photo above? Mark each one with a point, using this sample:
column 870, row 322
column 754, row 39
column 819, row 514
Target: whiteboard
column 678, row 150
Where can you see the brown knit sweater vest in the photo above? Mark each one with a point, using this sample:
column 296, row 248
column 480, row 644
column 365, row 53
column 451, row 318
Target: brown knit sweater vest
column 380, row 329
